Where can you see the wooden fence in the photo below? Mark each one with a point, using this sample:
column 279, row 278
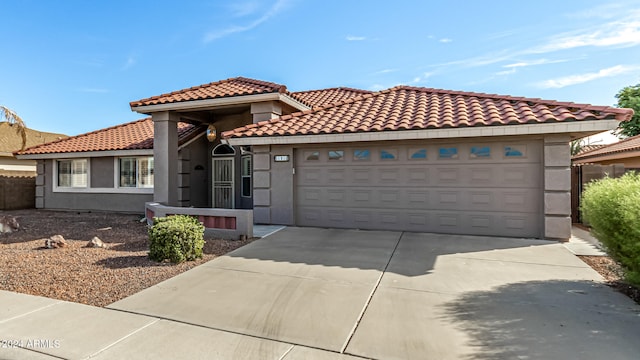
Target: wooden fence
column 582, row 175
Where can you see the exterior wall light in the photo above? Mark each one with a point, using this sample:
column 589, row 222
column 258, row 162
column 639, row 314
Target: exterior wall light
column 212, row 133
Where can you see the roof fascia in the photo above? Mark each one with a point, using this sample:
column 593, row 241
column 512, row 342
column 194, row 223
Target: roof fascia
column 219, row 102
column 583, row 127
column 86, row 154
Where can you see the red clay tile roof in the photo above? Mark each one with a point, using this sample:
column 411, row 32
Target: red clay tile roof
column 626, row 145
column 225, row 88
column 407, row 108
column 136, row 135
column 323, row 97
column 587, row 148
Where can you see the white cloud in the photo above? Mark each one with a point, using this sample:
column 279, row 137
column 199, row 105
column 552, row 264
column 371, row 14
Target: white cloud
column 445, row 40
column 273, row 11
column 385, row 71
column 240, row 9
column 533, row 63
column 617, row 33
column 355, row 38
column 583, row 78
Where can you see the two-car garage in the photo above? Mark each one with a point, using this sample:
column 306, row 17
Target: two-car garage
column 482, row 188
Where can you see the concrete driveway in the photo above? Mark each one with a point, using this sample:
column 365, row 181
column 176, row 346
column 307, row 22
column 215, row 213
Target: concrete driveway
column 394, row 295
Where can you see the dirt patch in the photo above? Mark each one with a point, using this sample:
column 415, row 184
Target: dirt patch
column 91, row 276
column 613, row 274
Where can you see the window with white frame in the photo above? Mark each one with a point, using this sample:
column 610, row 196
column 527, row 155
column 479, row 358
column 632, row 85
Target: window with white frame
column 246, row 175
column 72, row 173
column 136, row 172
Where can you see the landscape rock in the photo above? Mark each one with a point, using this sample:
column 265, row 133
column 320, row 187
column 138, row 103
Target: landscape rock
column 8, row 224
column 54, row 242
column 96, row 243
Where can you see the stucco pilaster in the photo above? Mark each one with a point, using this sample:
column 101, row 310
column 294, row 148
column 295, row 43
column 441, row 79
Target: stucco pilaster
column 165, row 153
column 557, row 187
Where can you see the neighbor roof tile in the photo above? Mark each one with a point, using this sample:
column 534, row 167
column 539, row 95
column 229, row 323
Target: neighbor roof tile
column 136, row 135
column 626, row 145
column 225, row 88
column 407, row 108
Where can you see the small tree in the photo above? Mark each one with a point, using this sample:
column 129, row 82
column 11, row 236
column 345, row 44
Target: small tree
column 15, row 120
column 629, row 97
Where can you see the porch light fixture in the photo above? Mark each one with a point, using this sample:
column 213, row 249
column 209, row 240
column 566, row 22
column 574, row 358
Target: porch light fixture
column 211, row 133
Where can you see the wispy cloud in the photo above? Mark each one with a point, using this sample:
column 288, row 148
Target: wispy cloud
column 445, row 40
column 355, row 38
column 385, row 71
column 621, row 33
column 131, row 61
column 240, row 9
column 273, row 11
column 583, row 78
column 513, row 67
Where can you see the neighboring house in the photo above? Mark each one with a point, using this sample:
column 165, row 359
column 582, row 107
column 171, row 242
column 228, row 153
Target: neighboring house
column 626, row 152
column 406, row 158
column 11, row 141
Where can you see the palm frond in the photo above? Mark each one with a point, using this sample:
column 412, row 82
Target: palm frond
column 15, row 120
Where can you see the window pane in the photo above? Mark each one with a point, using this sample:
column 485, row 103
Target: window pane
column 246, row 166
column 145, row 172
column 64, row 173
column 246, row 186
column 448, row 153
column 515, row 151
column 418, row 154
column 79, row 173
column 128, row 172
column 480, row 152
column 391, row 154
column 359, row 155
column 336, row 154
column 312, row 155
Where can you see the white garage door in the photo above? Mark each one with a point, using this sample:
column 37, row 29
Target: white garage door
column 491, row 188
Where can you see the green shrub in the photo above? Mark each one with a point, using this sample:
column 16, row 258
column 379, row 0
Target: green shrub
column 176, row 238
column 612, row 209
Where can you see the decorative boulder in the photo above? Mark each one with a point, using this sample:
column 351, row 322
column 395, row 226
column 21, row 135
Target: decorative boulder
column 96, row 243
column 54, row 242
column 8, row 224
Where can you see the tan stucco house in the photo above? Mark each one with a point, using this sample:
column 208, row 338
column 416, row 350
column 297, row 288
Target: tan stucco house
column 406, row 158
column 625, row 152
column 10, row 141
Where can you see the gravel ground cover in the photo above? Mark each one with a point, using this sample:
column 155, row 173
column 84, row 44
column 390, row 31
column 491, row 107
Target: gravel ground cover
column 92, row 276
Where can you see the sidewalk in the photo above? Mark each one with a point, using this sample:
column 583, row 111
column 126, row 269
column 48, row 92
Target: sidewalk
column 582, row 243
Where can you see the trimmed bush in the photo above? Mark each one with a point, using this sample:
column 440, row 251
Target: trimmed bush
column 612, row 209
column 176, row 238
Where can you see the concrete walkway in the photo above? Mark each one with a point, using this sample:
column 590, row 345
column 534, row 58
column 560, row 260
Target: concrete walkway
column 305, row 293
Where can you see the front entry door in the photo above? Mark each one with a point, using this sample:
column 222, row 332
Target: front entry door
column 223, row 184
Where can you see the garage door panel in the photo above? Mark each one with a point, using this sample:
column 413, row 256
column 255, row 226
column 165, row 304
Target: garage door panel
column 503, row 223
column 484, row 195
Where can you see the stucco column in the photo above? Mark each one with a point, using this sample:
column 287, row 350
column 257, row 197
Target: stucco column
column 165, row 155
column 265, row 111
column 557, row 187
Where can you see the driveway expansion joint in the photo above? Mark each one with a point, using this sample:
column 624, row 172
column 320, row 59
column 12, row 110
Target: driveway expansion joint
column 373, row 291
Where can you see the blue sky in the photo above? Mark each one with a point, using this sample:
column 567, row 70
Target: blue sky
column 74, row 66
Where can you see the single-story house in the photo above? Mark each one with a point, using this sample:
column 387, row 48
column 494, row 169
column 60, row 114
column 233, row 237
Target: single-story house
column 406, row 158
column 10, row 141
column 625, row 152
